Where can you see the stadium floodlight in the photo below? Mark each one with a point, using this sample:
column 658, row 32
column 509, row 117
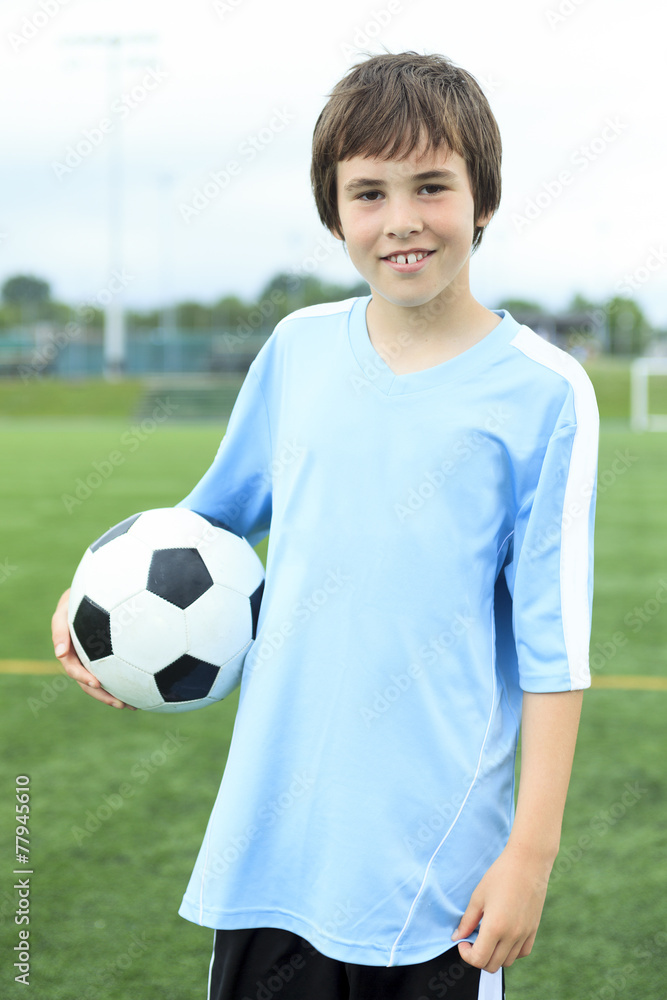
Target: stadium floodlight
column 641, row 370
column 114, row 314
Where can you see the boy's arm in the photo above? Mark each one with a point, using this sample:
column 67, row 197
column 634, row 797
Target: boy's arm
column 511, row 895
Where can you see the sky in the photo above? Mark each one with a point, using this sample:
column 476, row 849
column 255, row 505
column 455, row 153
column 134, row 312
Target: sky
column 206, row 122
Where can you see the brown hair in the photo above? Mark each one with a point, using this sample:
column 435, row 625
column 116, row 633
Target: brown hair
column 385, row 106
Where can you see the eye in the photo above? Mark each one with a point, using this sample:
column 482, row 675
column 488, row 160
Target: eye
column 370, row 195
column 432, row 188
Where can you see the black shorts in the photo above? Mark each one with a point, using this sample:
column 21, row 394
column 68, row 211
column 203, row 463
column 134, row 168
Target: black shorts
column 271, row 964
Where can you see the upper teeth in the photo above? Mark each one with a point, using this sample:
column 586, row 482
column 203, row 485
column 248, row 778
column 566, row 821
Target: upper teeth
column 412, row 258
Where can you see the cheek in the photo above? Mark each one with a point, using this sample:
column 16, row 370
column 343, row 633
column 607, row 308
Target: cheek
column 455, row 223
column 361, row 231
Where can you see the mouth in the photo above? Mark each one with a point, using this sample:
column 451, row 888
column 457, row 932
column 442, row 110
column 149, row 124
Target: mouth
column 409, row 260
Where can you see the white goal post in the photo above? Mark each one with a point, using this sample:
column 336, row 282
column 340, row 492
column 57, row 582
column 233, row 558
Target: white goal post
column 640, row 372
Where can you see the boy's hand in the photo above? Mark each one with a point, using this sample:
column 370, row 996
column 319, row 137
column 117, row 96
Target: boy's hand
column 510, row 898
column 72, row 664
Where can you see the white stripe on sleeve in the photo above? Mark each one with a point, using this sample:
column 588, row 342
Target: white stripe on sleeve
column 575, row 534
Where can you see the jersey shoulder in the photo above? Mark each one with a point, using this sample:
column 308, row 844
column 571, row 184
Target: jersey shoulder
column 552, row 369
column 313, row 313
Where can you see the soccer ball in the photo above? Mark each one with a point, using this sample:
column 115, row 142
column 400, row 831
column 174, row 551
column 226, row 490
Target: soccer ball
column 164, row 607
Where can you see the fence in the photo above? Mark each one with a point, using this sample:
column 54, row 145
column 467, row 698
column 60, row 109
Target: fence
column 45, row 349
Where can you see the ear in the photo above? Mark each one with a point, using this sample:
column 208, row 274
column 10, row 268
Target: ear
column 484, row 220
column 337, row 232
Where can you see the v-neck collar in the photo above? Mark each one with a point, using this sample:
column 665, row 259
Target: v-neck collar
column 376, row 370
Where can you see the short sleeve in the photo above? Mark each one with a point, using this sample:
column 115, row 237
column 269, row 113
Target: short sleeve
column 237, row 488
column 550, row 573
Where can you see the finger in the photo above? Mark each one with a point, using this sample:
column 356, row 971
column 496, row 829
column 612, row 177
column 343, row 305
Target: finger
column 511, row 957
column 469, row 921
column 62, row 645
column 481, row 951
column 59, row 627
column 465, row 947
column 99, row 694
column 489, row 959
column 527, row 946
column 71, row 663
column 74, row 668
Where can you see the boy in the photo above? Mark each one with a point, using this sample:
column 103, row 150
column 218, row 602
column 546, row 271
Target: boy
column 427, row 469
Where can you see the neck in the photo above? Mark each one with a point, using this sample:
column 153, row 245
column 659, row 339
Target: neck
column 413, row 336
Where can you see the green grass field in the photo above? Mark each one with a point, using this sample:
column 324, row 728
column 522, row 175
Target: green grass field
column 119, row 800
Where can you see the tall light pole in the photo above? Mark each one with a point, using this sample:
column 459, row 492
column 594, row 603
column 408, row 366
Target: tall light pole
column 115, row 349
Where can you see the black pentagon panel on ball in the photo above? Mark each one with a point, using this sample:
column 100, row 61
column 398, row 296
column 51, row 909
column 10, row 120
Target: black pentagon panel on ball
column 92, row 625
column 186, row 679
column 118, row 529
column 179, row 576
column 255, row 601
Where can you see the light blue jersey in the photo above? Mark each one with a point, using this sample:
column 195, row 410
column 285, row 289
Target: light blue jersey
column 430, row 558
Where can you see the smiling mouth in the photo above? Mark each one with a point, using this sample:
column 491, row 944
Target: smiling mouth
column 412, row 257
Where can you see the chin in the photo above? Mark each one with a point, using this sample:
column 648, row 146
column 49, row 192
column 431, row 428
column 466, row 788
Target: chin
column 405, row 301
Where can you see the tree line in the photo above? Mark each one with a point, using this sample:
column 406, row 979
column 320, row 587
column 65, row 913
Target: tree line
column 26, row 299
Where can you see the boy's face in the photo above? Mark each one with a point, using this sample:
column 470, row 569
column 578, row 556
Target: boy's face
column 422, row 205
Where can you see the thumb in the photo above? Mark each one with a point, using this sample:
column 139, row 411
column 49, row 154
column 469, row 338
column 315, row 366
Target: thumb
column 59, row 627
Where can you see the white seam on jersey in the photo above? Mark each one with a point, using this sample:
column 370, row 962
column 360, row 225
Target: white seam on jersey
column 454, row 821
column 490, row 985
column 500, row 547
column 575, row 535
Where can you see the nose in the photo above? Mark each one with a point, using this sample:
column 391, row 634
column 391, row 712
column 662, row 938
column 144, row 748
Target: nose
column 403, row 219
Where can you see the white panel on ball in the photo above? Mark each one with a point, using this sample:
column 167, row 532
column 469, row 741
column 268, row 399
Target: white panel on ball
column 78, row 589
column 233, row 565
column 170, row 527
column 215, row 635
column 135, row 687
column 148, row 632
column 117, row 570
column 229, row 677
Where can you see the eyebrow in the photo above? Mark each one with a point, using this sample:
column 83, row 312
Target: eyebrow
column 427, row 175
